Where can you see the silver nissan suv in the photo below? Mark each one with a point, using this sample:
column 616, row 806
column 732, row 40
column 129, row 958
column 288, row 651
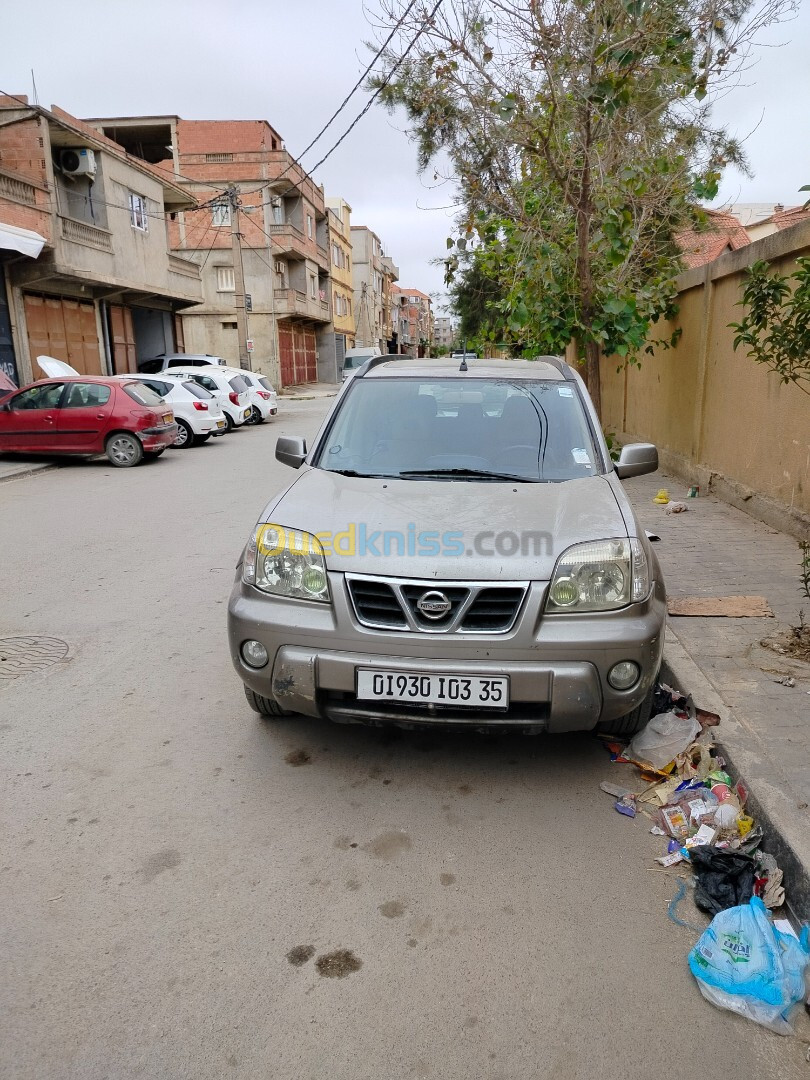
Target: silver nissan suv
column 455, row 548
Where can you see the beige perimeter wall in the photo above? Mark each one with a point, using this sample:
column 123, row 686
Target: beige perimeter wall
column 719, row 419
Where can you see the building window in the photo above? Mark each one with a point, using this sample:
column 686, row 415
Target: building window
column 348, row 310
column 229, row 326
column 313, row 286
column 278, row 211
column 310, row 226
column 214, row 158
column 137, row 212
column 225, row 279
column 221, row 213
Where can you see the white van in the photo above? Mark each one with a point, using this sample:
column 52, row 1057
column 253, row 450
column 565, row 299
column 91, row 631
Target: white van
column 355, row 358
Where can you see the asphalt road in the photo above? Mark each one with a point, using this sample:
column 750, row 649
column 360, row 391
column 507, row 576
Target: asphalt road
column 164, row 849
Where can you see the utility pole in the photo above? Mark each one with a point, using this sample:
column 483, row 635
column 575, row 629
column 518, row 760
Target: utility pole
column 239, row 280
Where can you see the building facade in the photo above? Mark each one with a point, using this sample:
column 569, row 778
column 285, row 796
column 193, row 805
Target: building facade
column 284, row 238
column 373, row 273
column 444, row 332
column 411, row 311
column 340, row 252
column 86, row 271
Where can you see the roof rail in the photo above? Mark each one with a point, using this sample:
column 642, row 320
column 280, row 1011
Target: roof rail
column 375, row 361
column 560, row 363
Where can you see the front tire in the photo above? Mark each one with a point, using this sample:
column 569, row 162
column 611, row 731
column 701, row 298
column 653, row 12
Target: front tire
column 185, row 436
column 634, row 721
column 265, row 706
column 124, row 450
column 200, row 439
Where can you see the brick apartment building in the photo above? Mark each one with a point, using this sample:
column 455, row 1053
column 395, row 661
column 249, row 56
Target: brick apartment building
column 412, row 317
column 283, row 224
column 86, row 274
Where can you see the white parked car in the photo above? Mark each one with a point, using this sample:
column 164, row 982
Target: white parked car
column 167, row 361
column 263, row 398
column 227, row 385
column 197, row 413
column 355, row 358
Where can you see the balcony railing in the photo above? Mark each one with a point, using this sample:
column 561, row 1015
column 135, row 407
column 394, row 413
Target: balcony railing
column 184, row 266
column 295, row 302
column 19, row 190
column 79, row 232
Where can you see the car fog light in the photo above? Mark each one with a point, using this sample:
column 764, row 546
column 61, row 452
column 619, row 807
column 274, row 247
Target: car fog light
column 254, row 653
column 565, row 592
column 623, row 675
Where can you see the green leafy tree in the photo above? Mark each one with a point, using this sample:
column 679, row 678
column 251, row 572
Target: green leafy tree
column 580, row 137
column 776, row 326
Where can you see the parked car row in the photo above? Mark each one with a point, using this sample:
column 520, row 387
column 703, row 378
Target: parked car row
column 130, row 417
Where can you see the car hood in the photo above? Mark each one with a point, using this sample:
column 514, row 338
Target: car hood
column 52, row 367
column 453, row 530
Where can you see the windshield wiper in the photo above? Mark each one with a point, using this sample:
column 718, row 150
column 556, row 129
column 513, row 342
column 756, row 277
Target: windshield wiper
column 480, row 474
column 365, row 475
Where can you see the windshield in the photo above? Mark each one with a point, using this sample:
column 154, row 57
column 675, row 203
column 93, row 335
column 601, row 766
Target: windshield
column 357, row 361
column 461, row 429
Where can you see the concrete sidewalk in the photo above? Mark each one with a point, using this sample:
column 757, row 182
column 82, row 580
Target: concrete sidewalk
column 309, row 391
column 14, row 466
column 716, row 550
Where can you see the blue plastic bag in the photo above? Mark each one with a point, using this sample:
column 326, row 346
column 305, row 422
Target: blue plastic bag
column 743, row 963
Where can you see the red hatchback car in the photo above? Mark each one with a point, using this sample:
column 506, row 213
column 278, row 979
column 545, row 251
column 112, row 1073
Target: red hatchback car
column 82, row 414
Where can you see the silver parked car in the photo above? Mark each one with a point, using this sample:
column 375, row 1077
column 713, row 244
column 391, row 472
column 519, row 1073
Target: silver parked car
column 456, row 548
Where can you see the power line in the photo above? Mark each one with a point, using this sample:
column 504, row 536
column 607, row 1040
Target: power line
column 361, row 80
column 380, row 88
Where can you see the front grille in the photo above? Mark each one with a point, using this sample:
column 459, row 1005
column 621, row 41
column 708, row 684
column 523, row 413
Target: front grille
column 376, row 603
column 492, row 609
column 475, row 607
column 455, row 594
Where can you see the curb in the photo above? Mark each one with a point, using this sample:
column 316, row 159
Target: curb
column 29, row 471
column 786, row 827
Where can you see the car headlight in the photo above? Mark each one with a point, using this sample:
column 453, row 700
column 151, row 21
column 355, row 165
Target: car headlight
column 599, row 576
column 287, row 562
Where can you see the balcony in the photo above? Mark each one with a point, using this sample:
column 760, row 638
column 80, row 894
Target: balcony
column 19, row 190
column 80, row 232
column 291, row 302
column 290, row 241
column 184, row 267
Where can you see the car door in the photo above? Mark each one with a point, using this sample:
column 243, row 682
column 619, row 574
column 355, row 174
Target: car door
column 84, row 416
column 28, row 419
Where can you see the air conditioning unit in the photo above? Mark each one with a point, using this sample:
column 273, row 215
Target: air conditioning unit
column 78, row 161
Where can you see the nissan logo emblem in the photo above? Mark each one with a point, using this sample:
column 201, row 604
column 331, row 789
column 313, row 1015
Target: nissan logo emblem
column 433, row 604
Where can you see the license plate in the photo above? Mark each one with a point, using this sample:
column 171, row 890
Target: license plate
column 220, row 423
column 246, row 414
column 435, row 689
column 168, row 418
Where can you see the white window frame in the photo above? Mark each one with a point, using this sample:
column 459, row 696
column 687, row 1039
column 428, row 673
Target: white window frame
column 221, row 214
column 138, row 217
column 226, row 274
column 313, row 286
column 310, row 226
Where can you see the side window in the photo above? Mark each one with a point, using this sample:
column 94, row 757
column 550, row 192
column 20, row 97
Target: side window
column 209, row 384
column 87, row 396
column 39, row 397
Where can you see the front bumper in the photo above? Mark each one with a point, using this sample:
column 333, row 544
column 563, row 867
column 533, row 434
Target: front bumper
column 557, row 664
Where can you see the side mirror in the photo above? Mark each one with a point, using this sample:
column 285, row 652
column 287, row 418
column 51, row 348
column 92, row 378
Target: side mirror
column 636, row 459
column 291, row 450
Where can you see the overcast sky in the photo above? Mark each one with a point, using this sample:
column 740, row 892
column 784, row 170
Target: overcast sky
column 292, row 61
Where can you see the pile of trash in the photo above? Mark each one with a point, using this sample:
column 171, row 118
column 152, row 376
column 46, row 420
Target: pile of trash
column 699, row 811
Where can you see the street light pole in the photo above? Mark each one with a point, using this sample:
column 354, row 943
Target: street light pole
column 239, row 280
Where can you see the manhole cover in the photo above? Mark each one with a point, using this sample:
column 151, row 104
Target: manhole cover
column 24, row 655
